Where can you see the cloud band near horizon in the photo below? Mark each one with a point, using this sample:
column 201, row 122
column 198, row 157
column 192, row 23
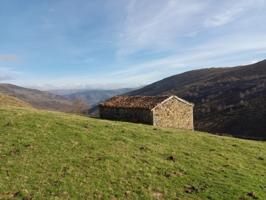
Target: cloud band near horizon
column 124, row 43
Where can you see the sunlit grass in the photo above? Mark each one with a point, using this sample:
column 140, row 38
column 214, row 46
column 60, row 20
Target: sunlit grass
column 49, row 155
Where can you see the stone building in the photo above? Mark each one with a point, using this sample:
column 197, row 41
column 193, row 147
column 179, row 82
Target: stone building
column 163, row 111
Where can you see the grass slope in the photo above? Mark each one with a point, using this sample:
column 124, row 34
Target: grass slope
column 38, row 99
column 6, row 100
column 48, row 155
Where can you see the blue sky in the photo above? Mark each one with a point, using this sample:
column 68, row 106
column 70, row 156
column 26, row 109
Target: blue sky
column 55, row 44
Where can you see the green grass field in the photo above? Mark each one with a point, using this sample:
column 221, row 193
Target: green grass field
column 49, row 155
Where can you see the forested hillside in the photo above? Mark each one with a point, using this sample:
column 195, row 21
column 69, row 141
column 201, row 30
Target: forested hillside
column 229, row 100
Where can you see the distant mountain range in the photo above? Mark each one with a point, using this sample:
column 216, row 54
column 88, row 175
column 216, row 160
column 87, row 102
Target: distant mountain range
column 92, row 97
column 60, row 100
column 229, row 100
column 37, row 98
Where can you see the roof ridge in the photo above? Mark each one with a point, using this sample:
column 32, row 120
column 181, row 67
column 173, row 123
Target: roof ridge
column 138, row 101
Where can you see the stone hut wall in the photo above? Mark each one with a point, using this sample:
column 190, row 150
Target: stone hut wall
column 127, row 114
column 174, row 114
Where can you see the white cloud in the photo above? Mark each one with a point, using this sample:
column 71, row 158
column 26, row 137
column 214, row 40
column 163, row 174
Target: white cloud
column 223, row 18
column 4, row 77
column 7, row 74
column 163, row 25
column 216, row 52
column 231, row 11
column 150, row 24
column 189, row 33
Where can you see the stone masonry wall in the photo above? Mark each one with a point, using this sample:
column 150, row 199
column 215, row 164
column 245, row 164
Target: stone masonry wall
column 127, row 114
column 174, row 114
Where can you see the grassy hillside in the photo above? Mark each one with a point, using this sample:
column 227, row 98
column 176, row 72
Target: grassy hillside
column 48, row 155
column 6, row 100
column 228, row 100
column 37, row 98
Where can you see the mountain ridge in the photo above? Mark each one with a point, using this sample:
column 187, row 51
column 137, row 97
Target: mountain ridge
column 6, row 100
column 96, row 96
column 229, row 100
column 36, row 98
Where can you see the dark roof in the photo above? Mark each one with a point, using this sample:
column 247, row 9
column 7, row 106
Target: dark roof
column 143, row 102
